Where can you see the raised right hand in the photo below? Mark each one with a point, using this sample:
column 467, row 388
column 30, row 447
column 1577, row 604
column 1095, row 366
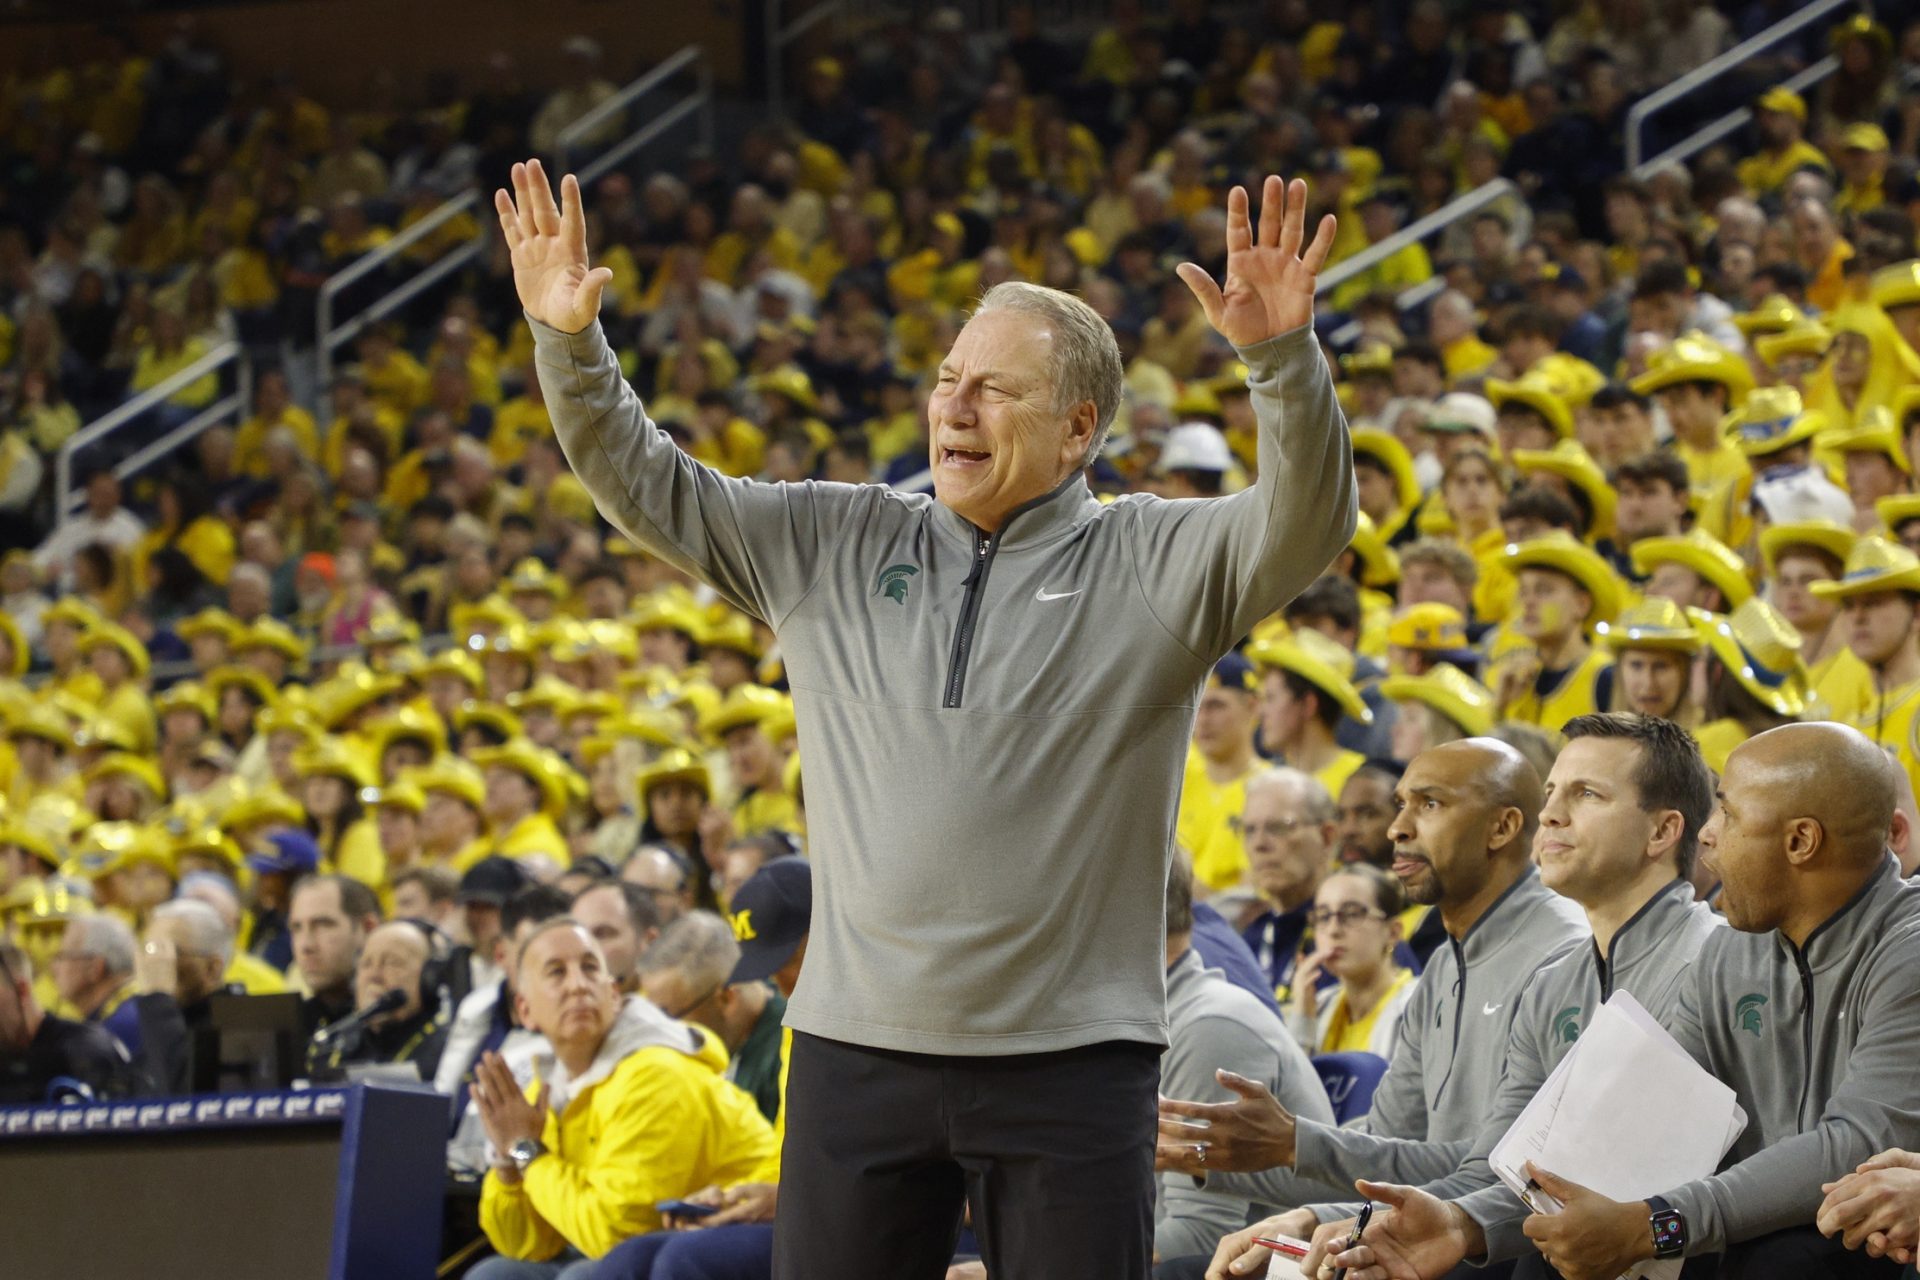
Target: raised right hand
column 549, row 249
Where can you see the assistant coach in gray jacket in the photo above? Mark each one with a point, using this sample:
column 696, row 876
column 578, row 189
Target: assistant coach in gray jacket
column 995, row 689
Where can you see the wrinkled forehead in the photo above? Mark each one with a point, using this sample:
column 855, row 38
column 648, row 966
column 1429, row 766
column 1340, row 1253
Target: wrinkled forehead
column 1018, row 343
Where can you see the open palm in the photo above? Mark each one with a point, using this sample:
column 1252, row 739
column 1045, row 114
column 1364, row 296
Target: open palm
column 548, row 244
column 1270, row 278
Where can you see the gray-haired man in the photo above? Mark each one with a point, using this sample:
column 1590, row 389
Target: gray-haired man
column 978, row 675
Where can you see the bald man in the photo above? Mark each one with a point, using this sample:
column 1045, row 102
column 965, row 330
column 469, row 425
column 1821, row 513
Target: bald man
column 1461, row 842
column 1808, row 1007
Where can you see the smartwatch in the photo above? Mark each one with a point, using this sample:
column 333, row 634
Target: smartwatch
column 527, row 1150
column 1669, row 1228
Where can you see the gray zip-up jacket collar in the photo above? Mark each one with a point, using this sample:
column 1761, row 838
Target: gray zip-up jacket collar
column 1446, row 1066
column 1652, row 956
column 1818, row 1044
column 993, row 728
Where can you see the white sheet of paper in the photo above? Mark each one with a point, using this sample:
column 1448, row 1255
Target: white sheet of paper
column 1284, row 1268
column 1592, row 1121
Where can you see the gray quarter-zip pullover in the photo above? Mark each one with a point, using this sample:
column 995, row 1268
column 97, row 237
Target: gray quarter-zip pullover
column 1818, row 1043
column 994, row 724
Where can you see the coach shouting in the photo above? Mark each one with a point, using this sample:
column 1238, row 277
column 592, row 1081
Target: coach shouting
column 995, row 689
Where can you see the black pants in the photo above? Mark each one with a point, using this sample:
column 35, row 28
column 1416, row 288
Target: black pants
column 1053, row 1151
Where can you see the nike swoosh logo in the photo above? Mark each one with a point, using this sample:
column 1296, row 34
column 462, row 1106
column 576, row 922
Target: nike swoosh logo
column 1490, row 1008
column 1044, row 594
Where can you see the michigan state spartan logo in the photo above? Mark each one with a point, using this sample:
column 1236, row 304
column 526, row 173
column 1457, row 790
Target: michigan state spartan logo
column 1746, row 1012
column 1566, row 1025
column 892, row 582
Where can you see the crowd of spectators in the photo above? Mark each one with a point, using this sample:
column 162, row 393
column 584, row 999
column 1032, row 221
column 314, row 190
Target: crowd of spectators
column 370, row 656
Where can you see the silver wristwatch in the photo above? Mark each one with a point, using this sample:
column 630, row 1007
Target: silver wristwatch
column 525, row 1152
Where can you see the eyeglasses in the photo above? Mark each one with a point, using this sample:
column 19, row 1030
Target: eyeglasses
column 1278, row 829
column 1347, row 916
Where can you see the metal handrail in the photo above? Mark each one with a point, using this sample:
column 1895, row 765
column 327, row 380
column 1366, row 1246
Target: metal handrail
column 111, row 421
column 779, row 37
column 1639, row 113
column 1439, row 220
column 1708, row 134
column 327, row 335
column 563, row 145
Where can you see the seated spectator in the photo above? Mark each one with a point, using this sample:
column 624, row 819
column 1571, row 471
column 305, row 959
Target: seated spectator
column 400, row 958
column 330, row 919
column 48, row 1059
column 685, row 972
column 622, row 919
column 1356, row 928
column 634, row 1111
column 180, row 967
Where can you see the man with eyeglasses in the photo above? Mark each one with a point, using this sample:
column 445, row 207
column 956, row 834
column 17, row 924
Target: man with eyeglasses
column 1463, row 840
column 1287, row 827
column 685, row 972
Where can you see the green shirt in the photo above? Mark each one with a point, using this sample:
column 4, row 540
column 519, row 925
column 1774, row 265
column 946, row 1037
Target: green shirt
column 756, row 1065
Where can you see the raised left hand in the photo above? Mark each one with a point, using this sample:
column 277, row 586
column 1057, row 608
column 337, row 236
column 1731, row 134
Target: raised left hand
column 1592, row 1237
column 1250, row 1133
column 1270, row 278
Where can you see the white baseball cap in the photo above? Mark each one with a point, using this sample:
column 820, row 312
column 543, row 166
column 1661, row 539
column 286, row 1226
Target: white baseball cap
column 1790, row 496
column 1195, row 446
column 1463, row 409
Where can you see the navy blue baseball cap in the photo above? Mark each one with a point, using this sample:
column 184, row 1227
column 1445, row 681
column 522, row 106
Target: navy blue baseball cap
column 1234, row 672
column 293, row 853
column 770, row 914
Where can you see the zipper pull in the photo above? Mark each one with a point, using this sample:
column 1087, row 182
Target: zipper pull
column 979, row 562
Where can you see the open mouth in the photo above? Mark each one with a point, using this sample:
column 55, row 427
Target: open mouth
column 964, row 457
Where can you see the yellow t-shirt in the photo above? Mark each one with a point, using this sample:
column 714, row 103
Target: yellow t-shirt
column 762, row 811
column 1574, row 695
column 1842, row 687
column 1888, row 718
column 1717, row 741
column 1208, row 824
column 1768, row 171
column 1348, row 1035
column 249, row 443
column 1334, row 774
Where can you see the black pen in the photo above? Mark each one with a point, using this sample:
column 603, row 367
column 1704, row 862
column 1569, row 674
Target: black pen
column 1359, row 1229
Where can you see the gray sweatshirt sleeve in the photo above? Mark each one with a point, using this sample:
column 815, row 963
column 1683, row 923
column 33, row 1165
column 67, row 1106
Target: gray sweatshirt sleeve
column 1872, row 1108
column 759, row 545
column 1193, row 1216
column 1211, row 568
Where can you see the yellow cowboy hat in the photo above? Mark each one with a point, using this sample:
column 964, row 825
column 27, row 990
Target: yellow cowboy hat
column 106, row 732
column 114, row 846
column 1772, row 419
column 1392, row 455
column 1537, row 392
column 334, row 758
column 1196, row 401
column 1375, row 359
column 531, row 577
column 1874, row 432
column 1451, row 692
column 1654, row 623
column 352, row 689
column 734, row 633
column 388, row 627
column 122, row 764
column 788, row 382
column 1572, row 463
column 41, row 720
column 265, row 807
column 678, row 765
column 1782, row 99
column 452, row 776
column 488, row 715
column 1561, row 552
column 1701, row 552
column 19, row 655
column 111, row 635
column 482, row 617
column 1898, row 509
column 188, row 695
column 1319, row 661
column 1430, row 627
column 1875, row 564
column 746, row 704
column 254, row 682
column 209, row 622
column 1761, row 650
column 1379, row 563
column 1897, row 285
column 270, row 633
column 1694, row 357
column 457, row 663
column 1775, row 313
column 656, row 726
column 1835, row 539
column 72, row 611
column 534, row 763
column 1808, row 338
column 548, row 693
column 613, row 637
column 209, row 841
column 406, row 724
column 401, row 793
column 665, row 613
